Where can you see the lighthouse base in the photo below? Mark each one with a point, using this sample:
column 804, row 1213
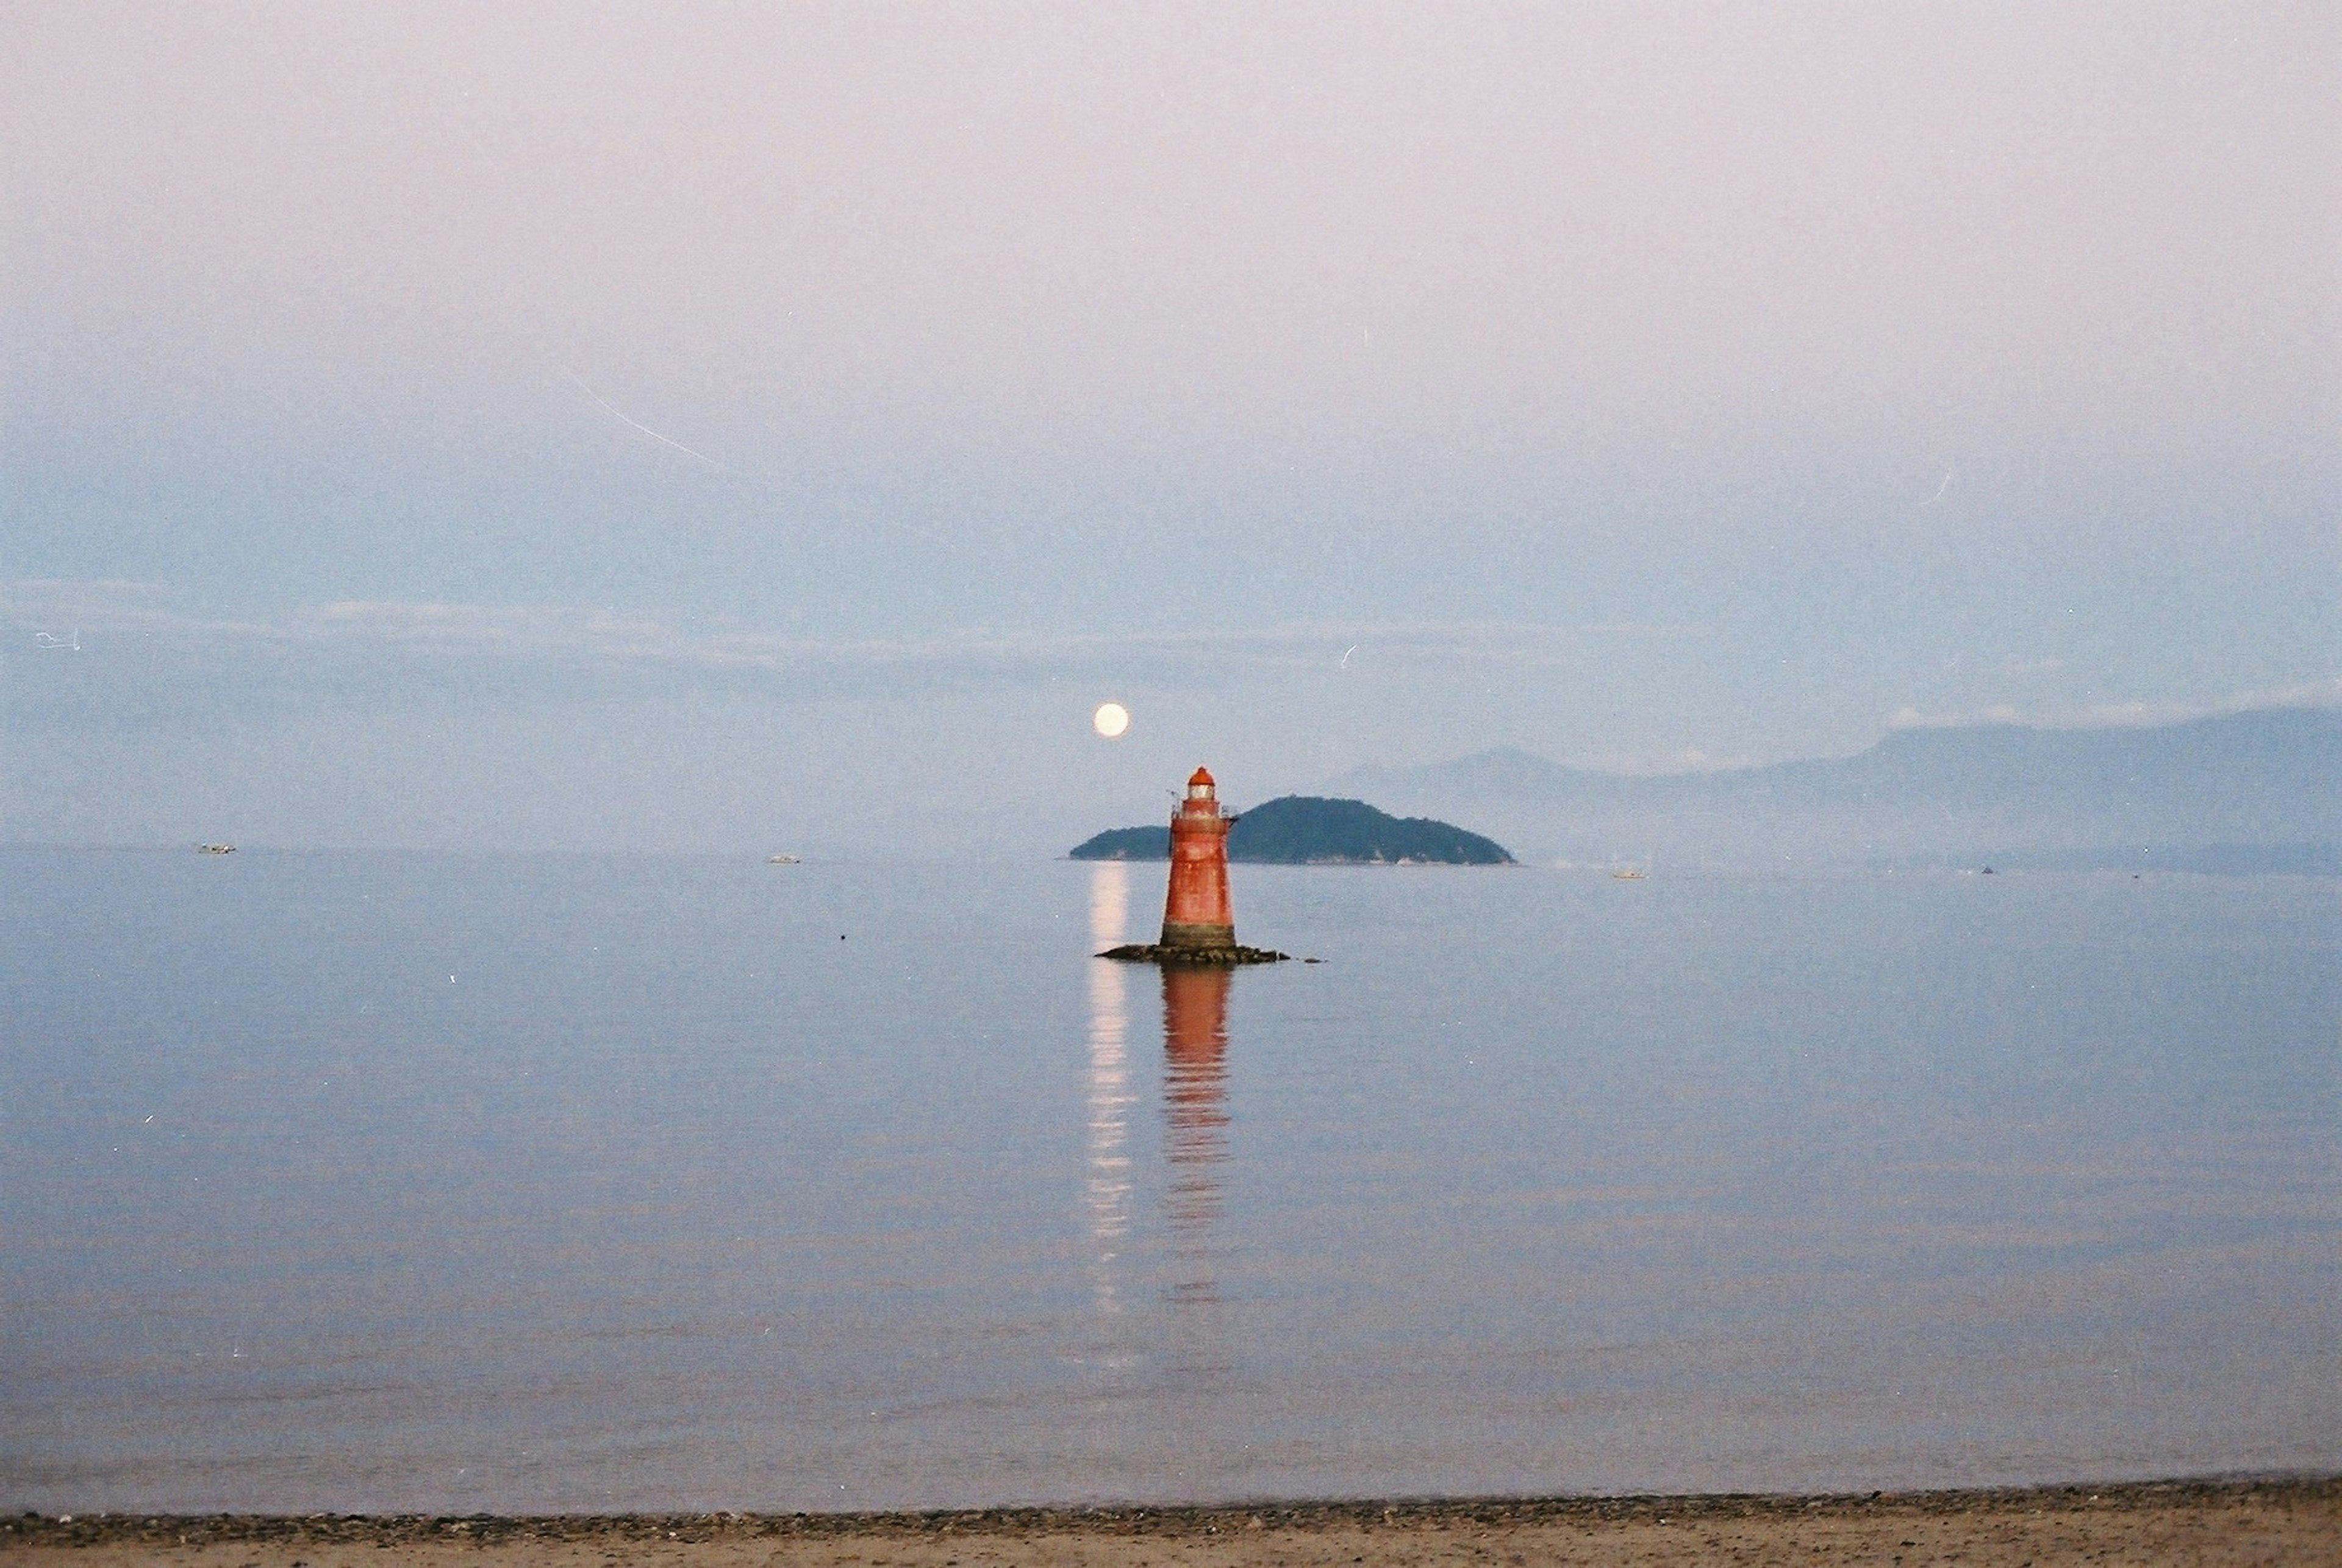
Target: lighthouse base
column 1178, row 954
column 1179, row 934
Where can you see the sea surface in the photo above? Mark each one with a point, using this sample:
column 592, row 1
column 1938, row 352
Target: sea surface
column 398, row 1182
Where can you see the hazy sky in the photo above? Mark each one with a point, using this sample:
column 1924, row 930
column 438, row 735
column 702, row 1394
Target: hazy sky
column 697, row 427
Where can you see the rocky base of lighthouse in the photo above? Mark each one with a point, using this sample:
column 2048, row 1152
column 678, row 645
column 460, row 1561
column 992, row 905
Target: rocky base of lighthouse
column 1212, row 957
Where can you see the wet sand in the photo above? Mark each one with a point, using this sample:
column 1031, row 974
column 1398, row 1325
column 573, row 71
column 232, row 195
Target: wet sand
column 2213, row 1525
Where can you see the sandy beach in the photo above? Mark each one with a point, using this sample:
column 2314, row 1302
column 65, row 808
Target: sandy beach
column 2213, row 1525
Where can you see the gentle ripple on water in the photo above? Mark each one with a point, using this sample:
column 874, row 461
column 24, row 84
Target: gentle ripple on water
column 401, row 1182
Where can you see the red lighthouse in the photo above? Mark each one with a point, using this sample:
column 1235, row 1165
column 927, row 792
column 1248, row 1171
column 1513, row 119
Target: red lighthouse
column 1195, row 909
column 1198, row 924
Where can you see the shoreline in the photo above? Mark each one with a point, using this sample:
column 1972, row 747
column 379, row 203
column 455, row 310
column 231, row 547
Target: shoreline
column 2279, row 1518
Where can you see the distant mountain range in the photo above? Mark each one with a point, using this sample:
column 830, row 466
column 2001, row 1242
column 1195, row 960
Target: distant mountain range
column 2251, row 791
column 1310, row 830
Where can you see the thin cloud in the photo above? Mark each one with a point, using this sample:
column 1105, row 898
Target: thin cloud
column 588, row 633
column 2325, row 693
column 667, row 441
column 111, row 605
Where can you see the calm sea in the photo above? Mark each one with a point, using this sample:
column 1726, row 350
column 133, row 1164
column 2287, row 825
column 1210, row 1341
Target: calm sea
column 370, row 1182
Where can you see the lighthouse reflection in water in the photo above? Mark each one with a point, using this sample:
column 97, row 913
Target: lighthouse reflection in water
column 1195, row 1104
column 1194, row 1116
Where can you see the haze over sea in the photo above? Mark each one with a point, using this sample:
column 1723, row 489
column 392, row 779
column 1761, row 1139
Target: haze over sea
column 398, row 1181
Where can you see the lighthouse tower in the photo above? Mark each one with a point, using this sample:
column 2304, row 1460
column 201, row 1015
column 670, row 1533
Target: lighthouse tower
column 1195, row 909
column 1198, row 927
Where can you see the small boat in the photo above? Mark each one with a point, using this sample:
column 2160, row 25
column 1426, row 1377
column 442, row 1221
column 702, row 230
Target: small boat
column 1627, row 873
column 783, row 860
column 215, row 848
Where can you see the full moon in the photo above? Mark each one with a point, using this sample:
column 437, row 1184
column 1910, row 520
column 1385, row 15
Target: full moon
column 1110, row 720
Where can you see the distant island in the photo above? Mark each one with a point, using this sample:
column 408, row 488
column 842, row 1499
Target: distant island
column 2258, row 792
column 1312, row 830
